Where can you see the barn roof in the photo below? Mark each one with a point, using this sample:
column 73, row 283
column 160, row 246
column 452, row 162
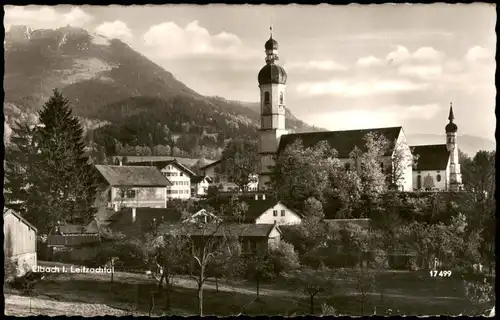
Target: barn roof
column 162, row 164
column 431, row 157
column 236, row 229
column 6, row 212
column 133, row 176
column 342, row 141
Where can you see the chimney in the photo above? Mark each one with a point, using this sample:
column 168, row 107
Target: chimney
column 256, row 196
column 133, row 214
column 263, row 196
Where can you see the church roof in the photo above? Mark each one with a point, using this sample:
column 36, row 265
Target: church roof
column 431, row 157
column 272, row 73
column 342, row 141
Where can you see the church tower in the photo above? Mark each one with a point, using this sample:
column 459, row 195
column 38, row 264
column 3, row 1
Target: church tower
column 272, row 83
column 455, row 178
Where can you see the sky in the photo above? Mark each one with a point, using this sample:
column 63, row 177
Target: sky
column 348, row 67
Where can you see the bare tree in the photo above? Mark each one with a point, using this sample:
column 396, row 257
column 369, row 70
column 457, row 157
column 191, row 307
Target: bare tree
column 208, row 242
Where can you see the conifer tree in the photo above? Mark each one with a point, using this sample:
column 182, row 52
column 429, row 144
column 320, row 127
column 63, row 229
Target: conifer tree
column 59, row 180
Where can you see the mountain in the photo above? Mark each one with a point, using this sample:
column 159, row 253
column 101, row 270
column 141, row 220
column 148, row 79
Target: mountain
column 126, row 100
column 467, row 143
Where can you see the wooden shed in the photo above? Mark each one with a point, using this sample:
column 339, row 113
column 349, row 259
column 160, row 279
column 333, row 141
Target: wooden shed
column 19, row 241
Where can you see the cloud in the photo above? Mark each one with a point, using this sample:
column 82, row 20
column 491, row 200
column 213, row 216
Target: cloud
column 427, row 54
column 352, row 89
column 44, row 17
column 168, row 40
column 322, row 65
column 424, row 54
column 114, row 30
column 368, row 61
column 421, row 71
column 398, row 55
column 374, row 117
column 477, row 53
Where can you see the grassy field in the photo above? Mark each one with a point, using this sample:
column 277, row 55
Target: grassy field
column 411, row 293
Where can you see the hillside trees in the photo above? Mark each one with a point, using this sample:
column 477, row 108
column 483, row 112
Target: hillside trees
column 61, row 186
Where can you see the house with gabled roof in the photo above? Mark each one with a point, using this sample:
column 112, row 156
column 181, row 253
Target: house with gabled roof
column 132, row 186
column 178, row 174
column 269, row 211
column 253, row 237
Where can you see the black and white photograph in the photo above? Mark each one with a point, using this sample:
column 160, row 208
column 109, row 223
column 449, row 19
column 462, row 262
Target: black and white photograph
column 247, row 160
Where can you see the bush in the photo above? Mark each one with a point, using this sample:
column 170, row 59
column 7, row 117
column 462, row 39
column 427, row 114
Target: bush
column 10, row 269
column 283, row 257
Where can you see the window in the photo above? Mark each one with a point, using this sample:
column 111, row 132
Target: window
column 275, row 213
column 281, row 97
column 266, row 97
column 438, row 178
column 130, row 193
column 282, row 213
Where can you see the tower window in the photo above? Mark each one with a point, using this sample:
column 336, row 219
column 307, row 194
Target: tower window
column 281, row 97
column 266, row 97
column 438, row 178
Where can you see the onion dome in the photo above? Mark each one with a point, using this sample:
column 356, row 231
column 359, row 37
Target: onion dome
column 451, row 127
column 271, row 44
column 272, row 74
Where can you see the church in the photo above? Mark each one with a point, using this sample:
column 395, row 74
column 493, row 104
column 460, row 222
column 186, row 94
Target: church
column 436, row 167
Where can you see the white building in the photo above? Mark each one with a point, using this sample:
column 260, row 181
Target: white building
column 274, row 137
column 19, row 243
column 437, row 167
column 179, row 175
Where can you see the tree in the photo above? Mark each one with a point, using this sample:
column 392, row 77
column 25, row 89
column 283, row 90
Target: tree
column 302, row 173
column 208, row 242
column 313, row 208
column 241, row 160
column 283, row 257
column 369, row 165
column 313, row 282
column 21, row 161
column 258, row 268
column 401, row 160
column 170, row 253
column 63, row 184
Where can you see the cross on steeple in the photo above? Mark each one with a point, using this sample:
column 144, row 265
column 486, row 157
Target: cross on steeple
column 451, row 117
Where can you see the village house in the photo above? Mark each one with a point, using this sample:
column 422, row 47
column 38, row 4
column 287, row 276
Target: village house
column 270, row 211
column 179, row 175
column 132, row 186
column 199, row 185
column 19, row 244
column 253, row 237
column 214, row 172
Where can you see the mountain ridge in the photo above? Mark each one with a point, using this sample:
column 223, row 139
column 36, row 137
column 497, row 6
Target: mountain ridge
column 98, row 75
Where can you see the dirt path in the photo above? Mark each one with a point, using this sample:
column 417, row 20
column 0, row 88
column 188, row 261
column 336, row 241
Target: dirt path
column 16, row 305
